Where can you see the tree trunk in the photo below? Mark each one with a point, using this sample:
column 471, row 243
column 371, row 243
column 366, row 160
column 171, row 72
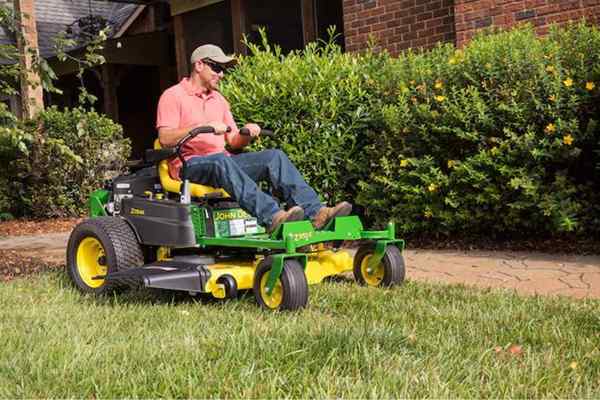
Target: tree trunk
column 31, row 85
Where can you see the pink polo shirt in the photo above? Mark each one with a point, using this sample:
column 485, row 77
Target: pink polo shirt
column 181, row 106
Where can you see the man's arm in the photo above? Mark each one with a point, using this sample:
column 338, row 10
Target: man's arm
column 235, row 140
column 168, row 137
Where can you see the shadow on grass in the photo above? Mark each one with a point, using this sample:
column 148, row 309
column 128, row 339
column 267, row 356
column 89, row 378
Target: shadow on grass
column 149, row 296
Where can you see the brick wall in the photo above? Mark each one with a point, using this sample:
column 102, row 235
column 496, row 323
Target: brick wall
column 474, row 15
column 396, row 25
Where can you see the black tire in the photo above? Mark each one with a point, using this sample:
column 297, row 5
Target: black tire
column 390, row 271
column 231, row 288
column 113, row 240
column 291, row 291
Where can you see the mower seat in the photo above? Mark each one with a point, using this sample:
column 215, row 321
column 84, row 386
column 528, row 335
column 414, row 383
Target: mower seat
column 173, row 185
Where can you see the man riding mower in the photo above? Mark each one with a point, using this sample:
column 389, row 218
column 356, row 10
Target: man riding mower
column 149, row 228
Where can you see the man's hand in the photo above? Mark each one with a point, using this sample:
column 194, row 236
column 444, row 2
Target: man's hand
column 254, row 129
column 219, row 127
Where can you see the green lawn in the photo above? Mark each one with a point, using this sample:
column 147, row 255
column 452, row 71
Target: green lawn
column 414, row 341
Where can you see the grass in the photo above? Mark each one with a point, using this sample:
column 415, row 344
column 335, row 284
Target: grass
column 415, row 341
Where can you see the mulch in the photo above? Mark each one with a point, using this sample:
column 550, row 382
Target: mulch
column 556, row 245
column 13, row 265
column 20, row 227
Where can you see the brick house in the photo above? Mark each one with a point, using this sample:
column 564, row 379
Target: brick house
column 394, row 25
column 397, row 25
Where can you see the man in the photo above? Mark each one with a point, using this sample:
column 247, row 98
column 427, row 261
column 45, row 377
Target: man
column 194, row 102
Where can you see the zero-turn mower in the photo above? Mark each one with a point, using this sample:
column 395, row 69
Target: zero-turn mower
column 149, row 230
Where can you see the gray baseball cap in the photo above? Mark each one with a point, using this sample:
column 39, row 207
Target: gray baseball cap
column 212, row 52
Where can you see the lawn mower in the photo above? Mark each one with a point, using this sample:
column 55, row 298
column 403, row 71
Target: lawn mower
column 149, row 230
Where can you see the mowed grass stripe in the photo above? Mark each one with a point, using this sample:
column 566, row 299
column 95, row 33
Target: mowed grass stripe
column 418, row 340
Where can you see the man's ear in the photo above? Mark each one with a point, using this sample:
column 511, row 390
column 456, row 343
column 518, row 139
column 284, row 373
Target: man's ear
column 197, row 66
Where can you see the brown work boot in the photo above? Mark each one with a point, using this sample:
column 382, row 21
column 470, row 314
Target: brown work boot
column 293, row 214
column 326, row 214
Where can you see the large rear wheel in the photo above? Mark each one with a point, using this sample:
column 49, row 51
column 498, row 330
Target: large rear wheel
column 290, row 291
column 100, row 246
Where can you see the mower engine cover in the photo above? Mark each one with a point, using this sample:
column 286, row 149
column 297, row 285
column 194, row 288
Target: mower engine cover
column 138, row 183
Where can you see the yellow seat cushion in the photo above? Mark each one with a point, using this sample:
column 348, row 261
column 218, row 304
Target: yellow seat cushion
column 173, row 185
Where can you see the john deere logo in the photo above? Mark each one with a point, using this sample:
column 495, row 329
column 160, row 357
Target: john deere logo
column 136, row 211
column 230, row 214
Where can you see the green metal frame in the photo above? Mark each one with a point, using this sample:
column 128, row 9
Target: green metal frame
column 292, row 235
column 96, row 203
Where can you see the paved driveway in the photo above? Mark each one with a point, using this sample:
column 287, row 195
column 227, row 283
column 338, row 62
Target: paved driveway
column 527, row 273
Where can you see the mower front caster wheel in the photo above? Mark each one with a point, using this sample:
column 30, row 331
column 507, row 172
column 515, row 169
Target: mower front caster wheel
column 290, row 291
column 230, row 285
column 388, row 272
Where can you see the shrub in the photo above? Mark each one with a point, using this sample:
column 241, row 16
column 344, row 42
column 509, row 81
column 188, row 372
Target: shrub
column 490, row 138
column 316, row 100
column 500, row 137
column 57, row 159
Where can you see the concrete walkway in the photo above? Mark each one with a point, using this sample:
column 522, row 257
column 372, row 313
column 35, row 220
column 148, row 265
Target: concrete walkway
column 49, row 247
column 527, row 273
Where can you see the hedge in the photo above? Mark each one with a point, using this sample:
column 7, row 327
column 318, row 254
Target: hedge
column 56, row 160
column 500, row 137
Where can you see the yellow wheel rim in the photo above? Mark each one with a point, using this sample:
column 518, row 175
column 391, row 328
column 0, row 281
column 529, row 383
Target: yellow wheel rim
column 372, row 276
column 275, row 299
column 90, row 255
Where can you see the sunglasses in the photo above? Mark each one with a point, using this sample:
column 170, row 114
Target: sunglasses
column 217, row 68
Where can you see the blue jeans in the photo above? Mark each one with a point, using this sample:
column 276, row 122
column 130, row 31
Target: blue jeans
column 240, row 173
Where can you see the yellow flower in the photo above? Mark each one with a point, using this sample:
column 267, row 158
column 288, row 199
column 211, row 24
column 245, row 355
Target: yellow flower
column 452, row 163
column 568, row 82
column 552, row 98
column 488, row 66
column 428, row 214
column 573, row 365
column 404, row 163
column 550, row 69
column 550, row 128
column 432, row 187
column 452, row 61
column 590, row 86
column 568, row 140
column 439, row 99
column 438, row 84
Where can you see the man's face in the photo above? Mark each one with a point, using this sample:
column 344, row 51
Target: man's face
column 208, row 75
